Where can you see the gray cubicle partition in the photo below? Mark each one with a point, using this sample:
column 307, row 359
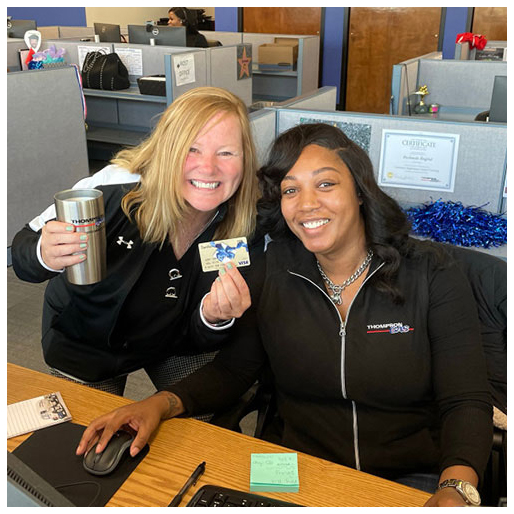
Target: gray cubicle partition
column 222, row 71
column 76, row 32
column 46, row 141
column 463, row 51
column 460, row 84
column 279, row 86
column 174, row 62
column 263, row 124
column 404, row 83
column 49, row 32
column 481, row 161
column 323, row 99
column 225, row 38
column 14, row 45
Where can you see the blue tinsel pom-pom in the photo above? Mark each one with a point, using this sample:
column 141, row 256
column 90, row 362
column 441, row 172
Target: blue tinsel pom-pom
column 451, row 222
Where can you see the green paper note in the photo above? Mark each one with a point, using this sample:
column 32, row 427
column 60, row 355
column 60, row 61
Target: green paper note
column 274, row 472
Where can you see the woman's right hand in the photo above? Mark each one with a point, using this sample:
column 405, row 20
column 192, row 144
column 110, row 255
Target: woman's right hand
column 59, row 242
column 143, row 417
column 229, row 296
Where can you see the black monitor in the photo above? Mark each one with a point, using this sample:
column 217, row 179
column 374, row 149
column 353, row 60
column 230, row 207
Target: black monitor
column 25, row 488
column 169, row 36
column 17, row 28
column 108, row 33
column 498, row 110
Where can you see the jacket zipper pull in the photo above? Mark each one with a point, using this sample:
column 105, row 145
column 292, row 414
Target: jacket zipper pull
column 342, row 330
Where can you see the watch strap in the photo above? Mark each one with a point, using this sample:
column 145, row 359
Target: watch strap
column 462, row 487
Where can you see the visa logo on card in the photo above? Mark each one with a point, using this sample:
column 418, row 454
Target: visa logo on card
column 215, row 254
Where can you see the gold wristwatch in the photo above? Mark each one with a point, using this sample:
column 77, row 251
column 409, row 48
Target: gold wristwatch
column 465, row 489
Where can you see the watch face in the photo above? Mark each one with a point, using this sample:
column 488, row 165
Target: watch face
column 471, row 493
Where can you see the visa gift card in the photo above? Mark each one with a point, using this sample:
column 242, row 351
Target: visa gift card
column 215, row 254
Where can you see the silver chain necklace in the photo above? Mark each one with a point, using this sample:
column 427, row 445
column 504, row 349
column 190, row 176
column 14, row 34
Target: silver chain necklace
column 337, row 289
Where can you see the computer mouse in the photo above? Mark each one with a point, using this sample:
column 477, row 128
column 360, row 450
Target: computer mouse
column 106, row 462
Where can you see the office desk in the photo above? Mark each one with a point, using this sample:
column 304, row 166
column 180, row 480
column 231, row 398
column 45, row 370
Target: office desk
column 181, row 444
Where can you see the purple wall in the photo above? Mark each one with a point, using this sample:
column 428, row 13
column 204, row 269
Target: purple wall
column 47, row 16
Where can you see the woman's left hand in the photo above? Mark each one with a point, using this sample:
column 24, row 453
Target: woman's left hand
column 447, row 497
column 229, row 296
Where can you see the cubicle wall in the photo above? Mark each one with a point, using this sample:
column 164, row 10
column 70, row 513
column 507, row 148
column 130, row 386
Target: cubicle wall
column 225, row 38
column 481, row 159
column 461, row 84
column 285, row 84
column 46, row 141
column 222, row 71
column 323, row 99
column 404, row 83
column 76, row 32
column 263, row 124
column 14, row 45
column 463, row 51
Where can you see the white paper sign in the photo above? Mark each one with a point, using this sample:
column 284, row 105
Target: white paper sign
column 418, row 160
column 184, row 66
column 132, row 58
column 83, row 51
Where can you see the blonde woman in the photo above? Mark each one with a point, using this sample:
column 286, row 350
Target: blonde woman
column 193, row 180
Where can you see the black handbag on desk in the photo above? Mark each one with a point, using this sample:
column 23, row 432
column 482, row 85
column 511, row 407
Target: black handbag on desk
column 104, row 71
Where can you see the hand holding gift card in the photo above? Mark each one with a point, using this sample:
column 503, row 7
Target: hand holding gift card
column 229, row 296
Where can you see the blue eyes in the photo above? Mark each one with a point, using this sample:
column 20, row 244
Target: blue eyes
column 225, row 153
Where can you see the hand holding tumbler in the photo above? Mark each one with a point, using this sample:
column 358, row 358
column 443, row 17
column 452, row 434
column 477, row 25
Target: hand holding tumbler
column 84, row 208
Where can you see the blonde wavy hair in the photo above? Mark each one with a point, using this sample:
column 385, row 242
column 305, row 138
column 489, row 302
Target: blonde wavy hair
column 157, row 203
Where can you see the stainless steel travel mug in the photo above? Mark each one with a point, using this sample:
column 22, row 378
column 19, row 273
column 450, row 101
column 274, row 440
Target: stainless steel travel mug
column 84, row 208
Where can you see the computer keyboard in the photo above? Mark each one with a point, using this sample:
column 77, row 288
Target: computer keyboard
column 216, row 496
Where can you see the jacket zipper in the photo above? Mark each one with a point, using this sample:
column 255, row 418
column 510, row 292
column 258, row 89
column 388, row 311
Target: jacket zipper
column 342, row 335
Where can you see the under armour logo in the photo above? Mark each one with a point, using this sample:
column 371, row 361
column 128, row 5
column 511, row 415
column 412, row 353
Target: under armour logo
column 129, row 244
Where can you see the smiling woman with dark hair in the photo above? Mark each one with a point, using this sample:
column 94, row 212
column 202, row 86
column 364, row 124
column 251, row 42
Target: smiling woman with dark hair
column 372, row 338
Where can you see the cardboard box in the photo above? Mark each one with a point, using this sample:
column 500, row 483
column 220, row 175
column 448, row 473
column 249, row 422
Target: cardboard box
column 283, row 53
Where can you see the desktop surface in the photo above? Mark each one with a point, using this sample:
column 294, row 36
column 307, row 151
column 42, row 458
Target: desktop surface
column 181, row 444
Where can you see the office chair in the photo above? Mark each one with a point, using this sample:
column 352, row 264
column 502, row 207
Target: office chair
column 487, row 276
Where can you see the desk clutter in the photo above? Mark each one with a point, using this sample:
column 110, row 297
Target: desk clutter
column 152, row 85
column 41, row 412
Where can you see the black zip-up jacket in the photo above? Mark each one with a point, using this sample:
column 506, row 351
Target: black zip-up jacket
column 391, row 389
column 78, row 321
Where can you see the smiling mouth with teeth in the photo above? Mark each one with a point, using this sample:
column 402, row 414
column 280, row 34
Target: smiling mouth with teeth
column 315, row 224
column 204, row 185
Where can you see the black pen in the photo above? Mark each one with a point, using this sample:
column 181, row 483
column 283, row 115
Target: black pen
column 197, row 473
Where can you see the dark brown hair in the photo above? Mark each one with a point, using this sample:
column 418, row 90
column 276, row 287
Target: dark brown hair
column 386, row 226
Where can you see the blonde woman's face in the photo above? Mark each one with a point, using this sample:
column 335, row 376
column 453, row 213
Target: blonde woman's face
column 214, row 165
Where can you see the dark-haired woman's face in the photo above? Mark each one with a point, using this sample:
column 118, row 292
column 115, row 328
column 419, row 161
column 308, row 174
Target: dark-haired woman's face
column 320, row 203
column 174, row 20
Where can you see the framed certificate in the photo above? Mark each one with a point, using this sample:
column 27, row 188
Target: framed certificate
column 418, row 160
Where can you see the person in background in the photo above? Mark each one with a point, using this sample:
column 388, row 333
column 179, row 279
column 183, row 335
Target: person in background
column 372, row 337
column 192, row 180
column 183, row 17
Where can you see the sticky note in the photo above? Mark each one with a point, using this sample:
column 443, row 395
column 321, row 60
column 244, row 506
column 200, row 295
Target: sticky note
column 274, row 472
